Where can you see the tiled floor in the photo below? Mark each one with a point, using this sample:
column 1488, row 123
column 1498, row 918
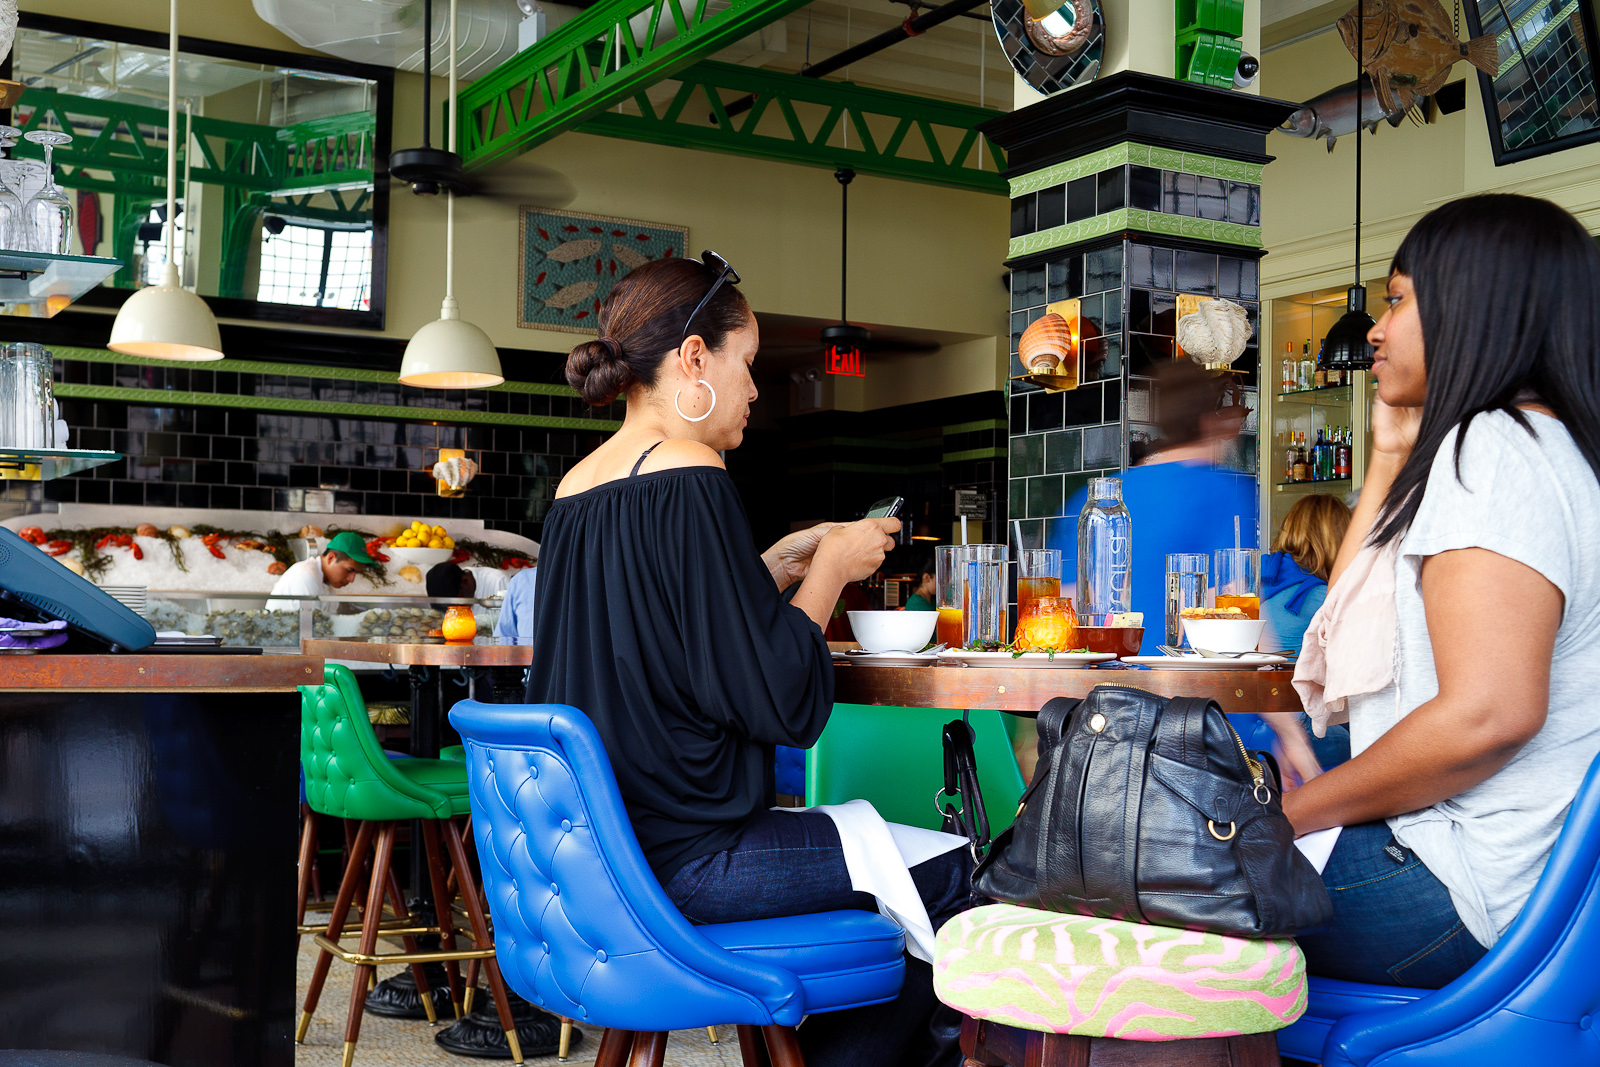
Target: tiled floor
column 409, row 1043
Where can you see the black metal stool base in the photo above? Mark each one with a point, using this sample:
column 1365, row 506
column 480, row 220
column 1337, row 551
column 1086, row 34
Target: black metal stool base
column 397, row 997
column 479, row 1033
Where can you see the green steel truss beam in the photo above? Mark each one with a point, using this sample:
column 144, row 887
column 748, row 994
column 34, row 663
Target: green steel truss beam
column 612, row 51
column 815, row 122
column 129, row 141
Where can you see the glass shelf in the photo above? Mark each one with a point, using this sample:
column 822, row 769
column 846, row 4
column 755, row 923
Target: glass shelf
column 46, row 464
column 38, row 284
column 1327, row 396
column 1307, row 485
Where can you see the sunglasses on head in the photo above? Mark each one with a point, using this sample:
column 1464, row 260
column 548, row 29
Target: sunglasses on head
column 724, row 271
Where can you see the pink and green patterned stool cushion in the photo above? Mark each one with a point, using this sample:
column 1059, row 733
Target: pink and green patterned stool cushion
column 1077, row 974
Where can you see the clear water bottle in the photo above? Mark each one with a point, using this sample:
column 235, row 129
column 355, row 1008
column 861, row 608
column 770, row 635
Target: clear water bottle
column 1105, row 551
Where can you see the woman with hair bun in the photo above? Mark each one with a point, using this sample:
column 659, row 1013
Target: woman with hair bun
column 659, row 619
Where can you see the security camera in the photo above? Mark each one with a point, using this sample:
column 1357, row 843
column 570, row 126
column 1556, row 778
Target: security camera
column 1246, row 73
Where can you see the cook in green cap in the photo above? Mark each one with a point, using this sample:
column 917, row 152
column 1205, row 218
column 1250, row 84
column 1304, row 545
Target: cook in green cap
column 336, row 568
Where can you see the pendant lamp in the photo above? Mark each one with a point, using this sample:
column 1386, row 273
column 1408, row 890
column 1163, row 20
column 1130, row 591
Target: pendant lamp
column 166, row 321
column 1346, row 347
column 842, row 343
column 450, row 352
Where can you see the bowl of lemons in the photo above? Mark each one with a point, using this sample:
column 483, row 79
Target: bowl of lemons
column 422, row 545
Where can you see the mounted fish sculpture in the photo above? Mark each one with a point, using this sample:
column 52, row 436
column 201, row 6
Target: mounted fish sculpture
column 1333, row 114
column 1408, row 46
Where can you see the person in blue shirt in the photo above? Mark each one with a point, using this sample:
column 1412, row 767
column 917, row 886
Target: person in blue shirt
column 516, row 610
column 1179, row 499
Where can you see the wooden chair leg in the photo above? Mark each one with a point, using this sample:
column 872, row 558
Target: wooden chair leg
column 336, row 918
column 480, row 932
column 419, row 974
column 441, row 906
column 615, row 1047
column 308, row 863
column 383, row 854
column 752, row 1047
column 649, row 1049
column 784, row 1047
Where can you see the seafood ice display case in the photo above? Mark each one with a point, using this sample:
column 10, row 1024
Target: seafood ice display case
column 207, row 572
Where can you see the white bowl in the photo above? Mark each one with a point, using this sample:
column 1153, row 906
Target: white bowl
column 893, row 631
column 422, row 557
column 1224, row 635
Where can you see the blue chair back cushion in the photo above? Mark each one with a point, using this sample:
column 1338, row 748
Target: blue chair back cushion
column 582, row 926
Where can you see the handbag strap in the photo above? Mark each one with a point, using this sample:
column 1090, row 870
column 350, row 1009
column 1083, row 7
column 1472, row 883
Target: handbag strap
column 961, row 780
column 1181, row 733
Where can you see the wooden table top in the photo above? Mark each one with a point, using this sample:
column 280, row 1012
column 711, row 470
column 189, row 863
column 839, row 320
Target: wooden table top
column 415, row 655
column 1023, row 691
column 74, row 673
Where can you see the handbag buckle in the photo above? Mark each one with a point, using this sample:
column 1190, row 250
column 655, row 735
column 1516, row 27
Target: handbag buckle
column 945, row 813
column 1233, row 830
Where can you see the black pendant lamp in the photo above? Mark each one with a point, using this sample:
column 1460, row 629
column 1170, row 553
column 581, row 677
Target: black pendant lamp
column 1346, row 347
column 842, row 343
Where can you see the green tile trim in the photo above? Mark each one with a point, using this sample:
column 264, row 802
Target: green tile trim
column 298, row 370
column 1156, row 222
column 1129, row 152
column 173, row 398
column 974, row 453
column 973, row 427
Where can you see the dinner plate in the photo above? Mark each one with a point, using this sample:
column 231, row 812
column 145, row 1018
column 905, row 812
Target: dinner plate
column 1026, row 660
column 28, row 633
column 1206, row 663
column 887, row 659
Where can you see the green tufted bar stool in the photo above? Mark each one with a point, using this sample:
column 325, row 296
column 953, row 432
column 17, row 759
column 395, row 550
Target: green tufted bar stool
column 348, row 776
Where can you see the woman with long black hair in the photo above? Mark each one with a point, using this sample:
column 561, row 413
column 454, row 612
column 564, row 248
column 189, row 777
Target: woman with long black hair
column 1483, row 502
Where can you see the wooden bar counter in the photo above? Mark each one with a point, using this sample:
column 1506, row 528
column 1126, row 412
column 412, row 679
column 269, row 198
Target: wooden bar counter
column 1023, row 691
column 148, row 811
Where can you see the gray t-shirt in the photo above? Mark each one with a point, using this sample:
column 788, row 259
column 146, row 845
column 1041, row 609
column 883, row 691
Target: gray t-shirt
column 1534, row 500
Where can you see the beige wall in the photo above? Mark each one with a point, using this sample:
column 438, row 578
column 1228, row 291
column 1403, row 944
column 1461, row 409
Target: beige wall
column 1307, row 209
column 922, row 257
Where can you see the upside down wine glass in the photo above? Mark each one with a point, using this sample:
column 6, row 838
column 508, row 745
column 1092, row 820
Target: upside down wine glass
column 48, row 215
column 10, row 203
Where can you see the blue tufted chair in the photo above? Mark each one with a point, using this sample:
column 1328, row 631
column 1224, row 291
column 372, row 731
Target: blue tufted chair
column 584, row 929
column 1533, row 999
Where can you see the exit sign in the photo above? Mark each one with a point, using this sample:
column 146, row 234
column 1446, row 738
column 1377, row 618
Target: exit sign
column 844, row 359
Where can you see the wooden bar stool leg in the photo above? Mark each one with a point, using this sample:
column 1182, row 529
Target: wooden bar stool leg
column 418, row 973
column 382, row 856
column 784, row 1047
column 615, row 1047
column 441, row 906
column 649, row 1050
column 336, row 918
column 480, row 932
column 308, row 863
column 752, row 1047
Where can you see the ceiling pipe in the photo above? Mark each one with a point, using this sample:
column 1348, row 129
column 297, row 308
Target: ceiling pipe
column 911, row 27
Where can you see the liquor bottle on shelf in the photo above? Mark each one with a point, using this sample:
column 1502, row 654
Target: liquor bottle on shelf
column 1317, row 451
column 1289, row 453
column 1319, row 376
column 1307, row 369
column 1302, row 469
column 1291, row 369
column 1341, row 460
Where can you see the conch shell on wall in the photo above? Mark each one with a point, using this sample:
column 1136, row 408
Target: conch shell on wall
column 1046, row 345
column 1216, row 334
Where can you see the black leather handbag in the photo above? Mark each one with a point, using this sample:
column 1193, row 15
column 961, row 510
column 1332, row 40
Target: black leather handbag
column 1150, row 810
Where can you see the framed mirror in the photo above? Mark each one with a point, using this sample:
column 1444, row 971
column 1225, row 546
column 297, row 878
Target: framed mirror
column 1543, row 97
column 283, row 199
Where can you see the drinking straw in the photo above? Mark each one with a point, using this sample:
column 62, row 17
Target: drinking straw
column 1236, row 533
column 963, row 529
column 1016, row 526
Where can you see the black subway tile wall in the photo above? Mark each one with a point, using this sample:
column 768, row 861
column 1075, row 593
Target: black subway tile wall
column 217, row 457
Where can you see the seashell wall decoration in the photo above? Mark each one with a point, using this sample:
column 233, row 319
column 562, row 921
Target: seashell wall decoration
column 1215, row 334
column 1046, row 345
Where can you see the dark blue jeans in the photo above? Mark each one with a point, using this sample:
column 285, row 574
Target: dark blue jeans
column 1393, row 922
column 790, row 863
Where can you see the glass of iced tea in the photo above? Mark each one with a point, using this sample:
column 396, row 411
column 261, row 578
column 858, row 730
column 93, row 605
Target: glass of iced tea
column 1238, row 578
column 947, row 579
column 1038, row 575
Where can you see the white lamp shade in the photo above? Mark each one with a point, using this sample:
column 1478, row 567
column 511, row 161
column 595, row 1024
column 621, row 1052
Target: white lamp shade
column 451, row 353
column 166, row 321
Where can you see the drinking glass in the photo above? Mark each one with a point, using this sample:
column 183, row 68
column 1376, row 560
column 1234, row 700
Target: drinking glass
column 1038, row 574
column 1047, row 622
column 1239, row 580
column 1188, row 575
column 948, row 586
column 984, row 614
column 27, row 397
column 10, row 202
column 48, row 216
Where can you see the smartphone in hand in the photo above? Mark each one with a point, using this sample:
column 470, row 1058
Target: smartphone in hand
column 887, row 508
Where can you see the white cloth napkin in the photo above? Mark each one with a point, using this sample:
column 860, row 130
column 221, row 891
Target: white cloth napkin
column 880, row 855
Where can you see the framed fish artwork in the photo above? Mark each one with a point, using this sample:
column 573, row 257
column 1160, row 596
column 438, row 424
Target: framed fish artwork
column 567, row 262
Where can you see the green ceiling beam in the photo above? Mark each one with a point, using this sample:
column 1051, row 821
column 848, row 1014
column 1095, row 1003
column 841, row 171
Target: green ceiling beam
column 594, row 62
column 128, row 142
column 809, row 121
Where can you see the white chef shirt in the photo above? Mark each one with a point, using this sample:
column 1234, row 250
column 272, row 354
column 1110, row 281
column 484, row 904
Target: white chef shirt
column 491, row 580
column 302, row 579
